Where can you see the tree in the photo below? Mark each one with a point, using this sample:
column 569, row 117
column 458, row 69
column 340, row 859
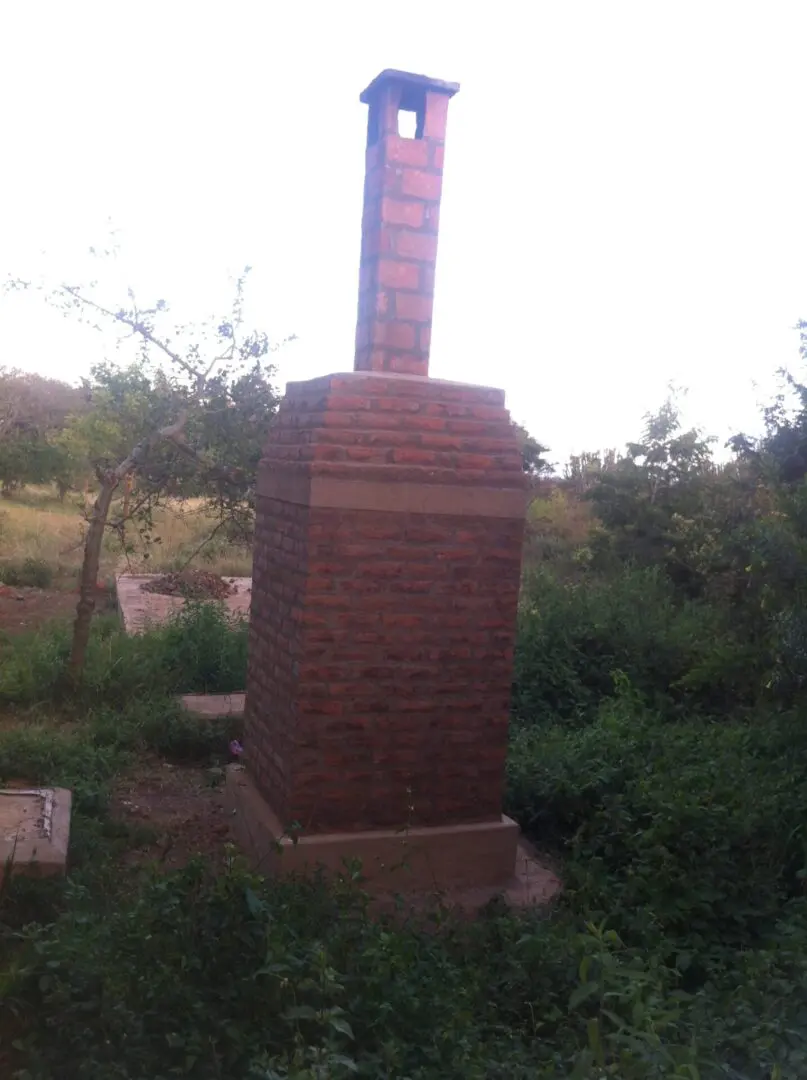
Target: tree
column 170, row 419
column 781, row 453
column 534, row 462
column 33, row 410
column 648, row 499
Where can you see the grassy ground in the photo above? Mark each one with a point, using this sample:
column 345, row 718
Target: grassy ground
column 35, row 525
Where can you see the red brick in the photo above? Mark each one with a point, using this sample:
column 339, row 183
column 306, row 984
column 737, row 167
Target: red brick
column 413, row 306
column 348, row 402
column 431, row 217
column 409, row 365
column 434, row 126
column 423, row 423
column 425, row 338
column 397, row 212
column 407, row 151
column 399, row 275
column 415, row 245
column 438, row 150
column 414, row 457
column 360, row 453
column 394, row 334
column 394, row 404
column 421, row 184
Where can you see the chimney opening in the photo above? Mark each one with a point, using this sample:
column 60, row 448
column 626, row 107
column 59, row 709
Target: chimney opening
column 410, row 123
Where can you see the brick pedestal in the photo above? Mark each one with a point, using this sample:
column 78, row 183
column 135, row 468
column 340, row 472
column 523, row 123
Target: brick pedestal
column 385, row 584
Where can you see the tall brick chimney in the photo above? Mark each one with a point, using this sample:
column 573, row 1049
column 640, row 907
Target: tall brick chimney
column 386, row 571
column 402, row 184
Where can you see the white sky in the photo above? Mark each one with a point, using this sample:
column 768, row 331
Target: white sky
column 624, row 200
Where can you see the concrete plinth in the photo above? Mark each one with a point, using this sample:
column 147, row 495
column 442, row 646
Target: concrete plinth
column 481, row 856
column 139, row 610
column 34, row 830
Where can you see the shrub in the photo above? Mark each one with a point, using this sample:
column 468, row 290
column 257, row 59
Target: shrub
column 573, row 637
column 190, row 975
column 691, row 831
column 30, row 573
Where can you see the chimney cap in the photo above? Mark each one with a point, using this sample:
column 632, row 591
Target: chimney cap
column 409, row 80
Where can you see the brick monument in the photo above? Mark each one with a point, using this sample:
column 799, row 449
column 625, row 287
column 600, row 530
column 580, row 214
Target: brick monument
column 386, row 573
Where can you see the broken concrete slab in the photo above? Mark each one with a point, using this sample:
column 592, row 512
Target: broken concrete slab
column 213, row 706
column 34, row 830
column 139, row 610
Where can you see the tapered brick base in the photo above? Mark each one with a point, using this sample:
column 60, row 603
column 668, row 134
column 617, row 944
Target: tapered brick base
column 385, row 583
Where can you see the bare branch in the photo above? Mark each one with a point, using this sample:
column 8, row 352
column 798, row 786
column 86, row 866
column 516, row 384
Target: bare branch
column 138, row 327
column 203, row 544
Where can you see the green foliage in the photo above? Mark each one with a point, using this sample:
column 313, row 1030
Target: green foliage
column 189, row 975
column 532, row 452
column 31, row 573
column 574, row 636
column 33, row 409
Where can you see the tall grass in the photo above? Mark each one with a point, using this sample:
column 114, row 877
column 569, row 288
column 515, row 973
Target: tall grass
column 201, row 649
column 36, row 525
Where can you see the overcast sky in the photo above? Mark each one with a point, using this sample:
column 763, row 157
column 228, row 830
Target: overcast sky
column 624, row 200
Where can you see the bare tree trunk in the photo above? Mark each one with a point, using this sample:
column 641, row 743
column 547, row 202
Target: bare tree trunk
column 89, row 577
column 95, row 539
column 127, row 495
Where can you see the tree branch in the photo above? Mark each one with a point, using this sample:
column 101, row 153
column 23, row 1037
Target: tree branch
column 138, row 327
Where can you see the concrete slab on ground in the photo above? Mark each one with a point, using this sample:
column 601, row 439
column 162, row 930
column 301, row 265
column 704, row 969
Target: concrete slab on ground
column 140, row 609
column 34, row 830
column 213, row 706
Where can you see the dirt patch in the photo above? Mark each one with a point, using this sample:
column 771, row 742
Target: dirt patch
column 24, row 609
column 192, row 585
column 181, row 810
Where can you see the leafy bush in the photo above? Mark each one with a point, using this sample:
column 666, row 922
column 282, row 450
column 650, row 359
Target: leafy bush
column 573, row 638
column 691, row 832
column 30, row 573
column 189, row 975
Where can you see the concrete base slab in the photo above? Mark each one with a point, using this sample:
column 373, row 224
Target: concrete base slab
column 468, row 864
column 213, row 706
column 139, row 609
column 34, row 830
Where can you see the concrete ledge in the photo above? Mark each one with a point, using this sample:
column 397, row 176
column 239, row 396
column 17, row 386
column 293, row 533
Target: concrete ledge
column 391, row 494
column 213, row 706
column 34, row 830
column 480, row 856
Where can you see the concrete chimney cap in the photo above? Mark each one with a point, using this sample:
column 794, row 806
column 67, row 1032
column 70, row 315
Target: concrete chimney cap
column 409, row 81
